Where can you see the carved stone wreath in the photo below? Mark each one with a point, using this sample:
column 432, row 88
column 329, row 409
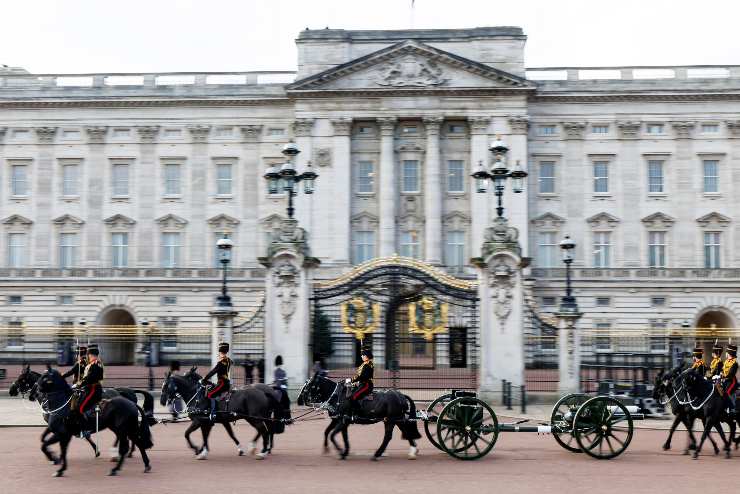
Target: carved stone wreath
column 410, row 71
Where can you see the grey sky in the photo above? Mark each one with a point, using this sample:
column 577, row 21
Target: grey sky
column 73, row 36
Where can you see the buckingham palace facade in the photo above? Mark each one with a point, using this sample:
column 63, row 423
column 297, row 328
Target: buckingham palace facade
column 115, row 187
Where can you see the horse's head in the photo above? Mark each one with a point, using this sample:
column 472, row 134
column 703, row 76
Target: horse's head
column 164, row 398
column 692, row 380
column 318, row 389
column 51, row 381
column 25, row 381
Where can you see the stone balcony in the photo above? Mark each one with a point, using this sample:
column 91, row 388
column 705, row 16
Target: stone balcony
column 638, row 274
column 132, row 273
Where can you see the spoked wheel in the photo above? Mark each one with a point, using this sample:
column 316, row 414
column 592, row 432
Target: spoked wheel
column 561, row 420
column 603, row 428
column 467, row 428
column 433, row 412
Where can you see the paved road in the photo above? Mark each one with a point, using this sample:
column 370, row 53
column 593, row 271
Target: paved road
column 523, row 463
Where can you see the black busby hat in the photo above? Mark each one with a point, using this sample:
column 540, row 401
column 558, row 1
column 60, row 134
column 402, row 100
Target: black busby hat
column 367, row 352
column 698, row 352
column 717, row 348
column 93, row 350
column 732, row 350
column 223, row 347
column 81, row 350
column 278, row 360
column 175, row 365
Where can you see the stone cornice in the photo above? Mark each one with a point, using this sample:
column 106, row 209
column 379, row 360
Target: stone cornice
column 434, row 91
column 519, row 124
column 199, row 133
column 619, row 97
column 142, row 103
column 96, row 134
column 251, row 133
column 45, row 135
column 732, row 125
column 302, row 127
column 342, row 126
column 148, row 133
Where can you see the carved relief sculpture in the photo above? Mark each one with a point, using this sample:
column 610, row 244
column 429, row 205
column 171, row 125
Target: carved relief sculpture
column 500, row 237
column 574, row 130
column 96, row 134
column 251, row 133
column 199, row 133
column 322, row 157
column 286, row 293
column 502, row 281
column 410, row 71
column 148, row 133
column 46, row 135
column 628, row 129
column 302, row 127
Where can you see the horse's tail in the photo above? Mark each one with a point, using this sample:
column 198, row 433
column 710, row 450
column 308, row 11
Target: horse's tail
column 148, row 405
column 409, row 427
column 145, row 434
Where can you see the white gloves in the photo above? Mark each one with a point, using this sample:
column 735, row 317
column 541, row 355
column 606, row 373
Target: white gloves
column 348, row 381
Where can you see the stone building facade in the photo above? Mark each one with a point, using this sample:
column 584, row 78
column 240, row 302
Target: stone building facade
column 116, row 187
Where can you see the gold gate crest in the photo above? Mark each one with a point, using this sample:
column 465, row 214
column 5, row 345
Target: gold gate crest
column 360, row 317
column 428, row 317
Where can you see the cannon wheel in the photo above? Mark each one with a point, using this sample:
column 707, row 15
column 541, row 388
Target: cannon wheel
column 433, row 412
column 603, row 427
column 467, row 428
column 562, row 429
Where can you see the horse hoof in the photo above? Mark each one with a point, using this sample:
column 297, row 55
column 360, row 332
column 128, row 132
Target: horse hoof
column 325, row 451
column 58, row 474
column 97, row 454
column 112, row 473
column 375, row 458
column 260, row 456
column 147, row 469
column 666, row 447
column 695, row 456
column 113, row 459
column 685, row 452
column 241, row 452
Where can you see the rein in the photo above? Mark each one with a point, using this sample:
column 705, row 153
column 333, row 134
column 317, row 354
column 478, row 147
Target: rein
column 52, row 412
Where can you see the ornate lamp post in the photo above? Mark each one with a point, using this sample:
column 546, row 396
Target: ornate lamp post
column 224, row 249
column 290, row 177
column 568, row 303
column 498, row 175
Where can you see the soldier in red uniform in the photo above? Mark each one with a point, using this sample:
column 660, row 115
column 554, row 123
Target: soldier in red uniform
column 362, row 381
column 221, row 371
column 698, row 361
column 729, row 376
column 79, row 367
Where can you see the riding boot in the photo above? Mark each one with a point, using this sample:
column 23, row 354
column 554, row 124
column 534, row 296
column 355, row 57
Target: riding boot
column 213, row 410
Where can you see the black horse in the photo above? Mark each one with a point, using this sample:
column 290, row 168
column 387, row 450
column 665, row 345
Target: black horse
column 25, row 384
column 118, row 414
column 667, row 390
column 393, row 408
column 703, row 395
column 257, row 404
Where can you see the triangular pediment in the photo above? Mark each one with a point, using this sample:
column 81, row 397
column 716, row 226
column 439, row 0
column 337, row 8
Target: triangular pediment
column 119, row 220
column 171, row 221
column 410, row 65
column 713, row 218
column 658, row 220
column 603, row 220
column 68, row 219
column 223, row 221
column 17, row 219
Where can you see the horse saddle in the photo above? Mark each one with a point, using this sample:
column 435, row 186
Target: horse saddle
column 225, row 397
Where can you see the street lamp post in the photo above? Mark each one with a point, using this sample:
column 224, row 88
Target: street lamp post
column 568, row 304
column 290, row 177
column 224, row 246
column 498, row 175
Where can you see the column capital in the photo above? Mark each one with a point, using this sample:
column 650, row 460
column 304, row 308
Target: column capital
column 628, row 129
column 302, row 127
column 683, row 129
column 148, row 133
column 342, row 126
column 199, row 133
column 732, row 125
column 251, row 133
column 96, row 133
column 518, row 124
column 432, row 124
column 479, row 125
column 387, row 125
column 45, row 135
column 574, row 130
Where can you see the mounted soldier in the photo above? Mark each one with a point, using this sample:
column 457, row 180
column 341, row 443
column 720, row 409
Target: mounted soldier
column 715, row 366
column 362, row 382
column 89, row 390
column 222, row 372
column 729, row 376
column 79, row 366
column 698, row 361
column 280, row 385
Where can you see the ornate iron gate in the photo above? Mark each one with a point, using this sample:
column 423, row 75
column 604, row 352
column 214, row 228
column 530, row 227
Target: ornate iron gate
column 421, row 323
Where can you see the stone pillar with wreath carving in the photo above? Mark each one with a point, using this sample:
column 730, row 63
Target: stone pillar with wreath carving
column 288, row 285
column 501, row 294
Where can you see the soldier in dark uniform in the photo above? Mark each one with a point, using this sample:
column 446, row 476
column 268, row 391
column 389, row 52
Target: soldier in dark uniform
column 362, row 380
column 715, row 366
column 280, row 384
column 729, row 376
column 221, row 371
column 90, row 386
column 698, row 361
column 79, row 366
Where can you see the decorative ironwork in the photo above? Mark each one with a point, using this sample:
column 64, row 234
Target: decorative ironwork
column 355, row 318
column 428, row 317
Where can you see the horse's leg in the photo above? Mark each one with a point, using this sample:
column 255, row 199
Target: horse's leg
column 389, row 426
column 676, row 420
column 131, row 449
column 230, row 432
column 253, row 443
column 45, row 448
column 63, row 443
column 134, row 435
column 345, row 438
column 331, row 426
column 332, row 436
column 725, row 441
column 412, row 444
column 264, row 430
column 193, row 427
column 122, row 450
column 206, row 430
column 708, row 424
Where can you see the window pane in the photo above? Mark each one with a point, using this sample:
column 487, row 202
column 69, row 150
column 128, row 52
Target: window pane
column 119, row 248
column 656, row 249
column 409, row 244
column 365, row 176
column 223, row 179
column 547, row 250
column 67, row 250
column 171, row 249
column 602, row 249
column 19, row 183
column 547, row 177
column 455, row 249
column 712, row 250
column 601, row 177
column 364, row 246
column 655, row 176
column 711, row 176
column 410, row 177
column 69, row 180
column 16, row 249
column 455, row 176
column 120, row 179
column 172, row 179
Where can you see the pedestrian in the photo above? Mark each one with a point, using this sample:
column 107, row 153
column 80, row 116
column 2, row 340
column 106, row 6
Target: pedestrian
column 319, row 367
column 248, row 371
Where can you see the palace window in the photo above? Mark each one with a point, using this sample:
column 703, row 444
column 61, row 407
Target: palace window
column 70, row 179
column 409, row 244
column 410, row 176
column 656, row 249
column 603, row 301
column 600, row 129
column 365, row 181
column 223, row 179
column 364, row 246
column 171, row 246
column 603, row 340
column 455, row 249
column 15, row 337
column 455, row 176
column 547, row 130
column 119, row 250
column 19, row 180
column 655, row 177
column 119, row 179
column 68, row 245
column 709, row 128
column 15, row 299
column 601, row 177
column 712, row 252
column 547, row 177
column 65, row 300
column 654, row 129
column 602, row 249
column 547, row 248
column 711, row 176
column 172, row 182
column 16, row 250
column 168, row 300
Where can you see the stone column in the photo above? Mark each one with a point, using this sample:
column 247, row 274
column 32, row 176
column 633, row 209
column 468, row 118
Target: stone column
column 387, row 188
column 733, row 131
column 94, row 196
column 517, row 207
column 576, row 192
column 287, row 303
column 479, row 203
column 686, row 186
column 629, row 163
column 198, row 236
column 222, row 325
column 250, row 193
column 302, row 128
column 433, row 193
column 501, row 295
column 569, row 353
column 44, row 196
column 143, row 176
column 341, row 189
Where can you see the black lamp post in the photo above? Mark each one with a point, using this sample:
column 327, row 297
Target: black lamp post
column 290, row 177
column 224, row 249
column 568, row 303
column 498, row 175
